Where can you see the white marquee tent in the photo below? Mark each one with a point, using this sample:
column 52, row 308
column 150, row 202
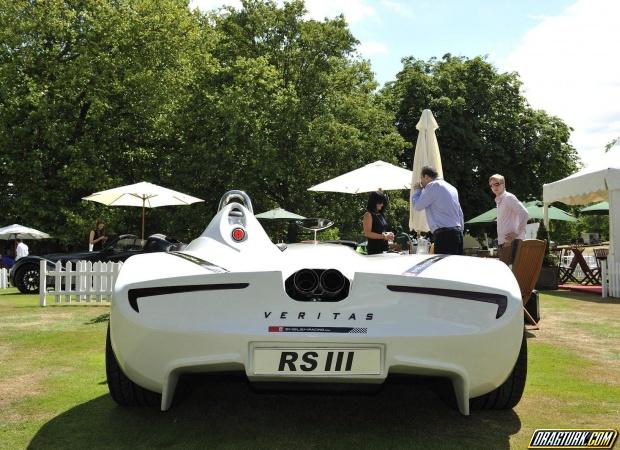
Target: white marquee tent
column 598, row 181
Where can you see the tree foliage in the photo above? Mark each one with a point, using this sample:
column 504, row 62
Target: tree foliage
column 485, row 127
column 88, row 98
column 611, row 143
column 97, row 94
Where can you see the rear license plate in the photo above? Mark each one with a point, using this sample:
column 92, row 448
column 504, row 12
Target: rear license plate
column 323, row 361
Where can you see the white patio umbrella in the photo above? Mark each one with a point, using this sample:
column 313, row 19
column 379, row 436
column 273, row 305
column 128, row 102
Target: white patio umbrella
column 16, row 231
column 146, row 195
column 278, row 213
column 371, row 177
column 426, row 154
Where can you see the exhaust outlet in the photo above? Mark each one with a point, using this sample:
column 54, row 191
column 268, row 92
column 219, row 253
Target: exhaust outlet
column 306, row 281
column 332, row 282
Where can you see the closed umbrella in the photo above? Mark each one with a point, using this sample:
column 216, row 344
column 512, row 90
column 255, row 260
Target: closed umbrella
column 146, row 195
column 426, row 154
column 371, row 177
column 535, row 210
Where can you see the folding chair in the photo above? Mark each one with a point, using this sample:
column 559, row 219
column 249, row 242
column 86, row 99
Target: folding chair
column 601, row 262
column 567, row 273
column 526, row 269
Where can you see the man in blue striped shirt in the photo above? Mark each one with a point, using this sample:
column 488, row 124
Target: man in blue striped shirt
column 443, row 211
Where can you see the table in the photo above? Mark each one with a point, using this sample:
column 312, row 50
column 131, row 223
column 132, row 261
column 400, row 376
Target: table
column 577, row 267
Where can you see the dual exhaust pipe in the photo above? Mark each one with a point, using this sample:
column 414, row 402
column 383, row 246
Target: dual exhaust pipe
column 328, row 283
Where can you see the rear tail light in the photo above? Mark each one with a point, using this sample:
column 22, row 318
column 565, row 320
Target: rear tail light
column 238, row 234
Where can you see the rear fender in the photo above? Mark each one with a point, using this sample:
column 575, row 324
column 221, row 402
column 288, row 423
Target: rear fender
column 461, row 304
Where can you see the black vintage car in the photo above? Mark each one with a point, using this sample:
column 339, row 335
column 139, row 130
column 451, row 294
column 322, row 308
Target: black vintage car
column 25, row 273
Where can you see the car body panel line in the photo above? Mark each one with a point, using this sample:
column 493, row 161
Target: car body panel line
column 135, row 294
column 498, row 299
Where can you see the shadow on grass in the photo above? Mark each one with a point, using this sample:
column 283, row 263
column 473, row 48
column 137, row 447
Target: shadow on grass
column 593, row 298
column 228, row 413
column 99, row 319
column 529, row 334
column 4, row 292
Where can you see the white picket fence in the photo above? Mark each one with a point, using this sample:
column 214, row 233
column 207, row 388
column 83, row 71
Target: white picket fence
column 87, row 282
column 4, row 278
column 611, row 280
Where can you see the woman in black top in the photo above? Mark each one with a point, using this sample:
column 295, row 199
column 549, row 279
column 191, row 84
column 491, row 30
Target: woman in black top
column 375, row 224
column 97, row 236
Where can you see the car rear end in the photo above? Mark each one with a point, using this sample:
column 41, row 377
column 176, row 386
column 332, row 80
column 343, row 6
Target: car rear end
column 167, row 320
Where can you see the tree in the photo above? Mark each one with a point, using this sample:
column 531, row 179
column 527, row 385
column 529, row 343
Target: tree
column 290, row 106
column 611, row 143
column 88, row 95
column 485, row 127
column 99, row 94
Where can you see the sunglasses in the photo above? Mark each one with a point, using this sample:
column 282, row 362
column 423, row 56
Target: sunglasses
column 494, row 184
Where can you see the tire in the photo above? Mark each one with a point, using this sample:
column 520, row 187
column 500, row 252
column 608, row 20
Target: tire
column 509, row 393
column 27, row 279
column 124, row 391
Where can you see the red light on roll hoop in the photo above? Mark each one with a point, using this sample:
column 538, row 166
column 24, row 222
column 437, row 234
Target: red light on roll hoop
column 238, row 234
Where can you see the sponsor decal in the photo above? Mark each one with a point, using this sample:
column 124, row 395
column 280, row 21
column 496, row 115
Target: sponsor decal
column 420, row 267
column 573, row 438
column 345, row 330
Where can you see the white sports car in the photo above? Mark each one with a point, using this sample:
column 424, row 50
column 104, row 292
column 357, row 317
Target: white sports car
column 312, row 313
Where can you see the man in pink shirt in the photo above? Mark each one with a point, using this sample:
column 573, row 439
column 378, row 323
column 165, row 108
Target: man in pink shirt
column 511, row 218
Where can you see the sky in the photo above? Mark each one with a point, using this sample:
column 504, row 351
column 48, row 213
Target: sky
column 566, row 51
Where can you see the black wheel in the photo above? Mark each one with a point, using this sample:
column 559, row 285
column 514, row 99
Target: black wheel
column 509, row 393
column 124, row 391
column 27, row 279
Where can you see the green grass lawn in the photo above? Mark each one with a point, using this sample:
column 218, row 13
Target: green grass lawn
column 53, row 392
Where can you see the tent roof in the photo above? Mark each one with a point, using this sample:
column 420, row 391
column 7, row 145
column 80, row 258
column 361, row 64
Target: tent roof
column 589, row 184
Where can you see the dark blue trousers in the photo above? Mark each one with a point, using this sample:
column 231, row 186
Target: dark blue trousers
column 448, row 241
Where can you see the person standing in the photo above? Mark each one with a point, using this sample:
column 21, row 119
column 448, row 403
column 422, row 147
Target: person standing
column 512, row 218
column 376, row 225
column 21, row 250
column 6, row 262
column 97, row 236
column 440, row 200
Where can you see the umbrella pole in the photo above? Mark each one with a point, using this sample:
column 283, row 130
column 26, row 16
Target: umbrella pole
column 143, row 219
